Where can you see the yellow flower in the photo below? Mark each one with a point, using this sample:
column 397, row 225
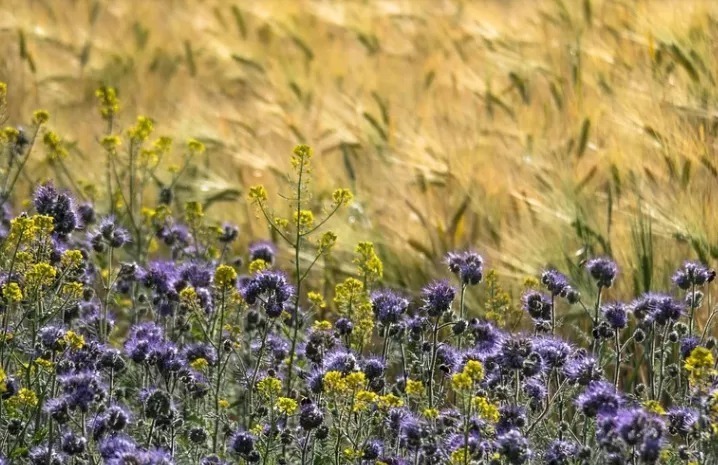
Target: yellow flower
column 223, row 403
column 485, row 409
column 3, row 377
column 41, row 274
column 40, row 117
column 414, row 388
column 327, row 241
column 459, row 456
column 461, row 381
column 369, row 263
column 142, row 129
column 110, row 143
column 475, row 370
column 26, row 397
column 322, row 325
column 342, row 197
column 257, row 193
column 195, row 147
column 363, row 399
column 225, row 276
column 301, row 156
column 74, row 340
column 304, row 219
column 286, row 406
column 55, row 146
column 356, row 379
column 318, row 301
column 109, row 104
column 72, row 290
column 71, row 259
column 188, row 295
column 654, row 406
column 269, row 386
column 352, row 454
column 390, row 401
column 335, row 382
column 200, row 364
column 46, row 364
column 699, row 364
column 12, row 292
column 193, row 212
column 430, row 413
column 258, row 265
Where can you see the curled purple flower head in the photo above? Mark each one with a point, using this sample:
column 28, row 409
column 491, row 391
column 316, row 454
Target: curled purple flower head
column 510, row 417
column 514, row 447
column 197, row 275
column 116, row 447
column 561, row 452
column 42, row 455
column 86, row 212
column 340, row 360
column 373, row 368
column 487, row 338
column 160, row 276
column 344, row 326
column 554, row 352
column 468, row 266
column 616, row 313
column 111, row 233
column 262, row 250
column 144, row 339
column 269, row 287
column 438, row 297
column 537, row 305
column 51, row 337
column 514, row 352
column 388, row 306
column 681, row 420
column 228, row 233
column 242, row 443
column 582, row 369
column 310, row 416
column 603, row 270
column 599, row 397
column 195, row 351
column 372, row 449
column 59, row 205
column 657, row 308
column 535, row 389
column 410, row 431
column 448, row 359
column 176, row 235
column 82, row 390
column 72, row 444
column 556, row 283
column 212, row 460
column 693, row 274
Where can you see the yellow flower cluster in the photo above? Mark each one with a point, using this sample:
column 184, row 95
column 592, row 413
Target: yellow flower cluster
column 317, row 300
column 486, row 410
column 200, row 364
column 301, row 156
column 342, row 197
column 472, row 373
column 258, row 265
column 369, row 263
column 257, row 193
column 142, row 129
column 55, row 146
column 699, row 365
column 109, row 103
column 353, row 302
column 40, row 274
column 286, row 406
column 12, row 292
column 74, row 340
column 414, row 388
column 269, row 387
column 225, row 276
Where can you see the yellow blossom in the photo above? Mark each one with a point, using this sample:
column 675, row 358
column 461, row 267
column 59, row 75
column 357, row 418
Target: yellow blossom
column 41, row 274
column 317, row 300
column 342, row 196
column 109, row 103
column 301, row 156
column 269, row 386
column 286, row 406
column 461, row 381
column 414, row 388
column 40, row 117
column 223, row 403
column 322, row 325
column 304, row 219
column 485, row 409
column 390, row 401
column 12, row 292
column 74, row 340
column 26, row 397
column 356, row 379
column 45, row 364
column 475, row 370
column 200, row 364
column 369, row 263
column 699, row 364
column 71, row 259
column 258, row 265
column 257, row 193
column 335, row 382
column 195, row 146
column 225, row 276
column 430, row 413
column 142, row 129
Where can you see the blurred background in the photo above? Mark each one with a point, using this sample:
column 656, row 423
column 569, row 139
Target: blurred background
column 539, row 133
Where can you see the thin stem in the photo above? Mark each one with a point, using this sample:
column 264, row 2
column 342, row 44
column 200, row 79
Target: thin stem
column 432, row 361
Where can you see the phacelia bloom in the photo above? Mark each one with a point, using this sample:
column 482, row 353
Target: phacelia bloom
column 310, row 416
column 242, row 443
column 372, row 449
column 487, row 338
column 373, row 368
column 113, row 234
column 554, row 352
column 51, row 337
column 86, row 212
column 144, row 340
column 82, row 390
column 388, row 306
column 681, row 420
column 271, row 288
column 341, row 361
column 582, row 369
column 41, row 455
column 117, row 447
column 514, row 352
column 195, row 351
column 514, row 446
column 262, row 250
column 616, row 314
column 344, row 326
column 510, row 417
column 228, row 233
column 438, row 297
column 687, row 345
column 535, row 389
column 657, row 308
column 555, row 282
column 48, row 201
column 468, row 266
column 410, row 431
column 537, row 305
column 72, row 444
column 599, row 397
column 603, row 270
column 197, row 275
column 693, row 274
column 561, row 453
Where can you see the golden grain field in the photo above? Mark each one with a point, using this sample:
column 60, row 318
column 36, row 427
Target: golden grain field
column 536, row 132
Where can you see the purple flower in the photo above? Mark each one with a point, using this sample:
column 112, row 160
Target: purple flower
column 372, row 449
column 510, row 417
column 111, row 233
column 41, row 455
column 198, row 275
column 514, row 446
column 616, row 314
column 514, row 352
column 228, row 233
column 487, row 338
column 72, row 444
column 555, row 282
column 603, row 270
column 388, row 306
column 340, row 360
column 687, row 345
column 657, row 308
column 196, row 351
column 599, row 397
column 681, row 420
column 410, row 431
column 82, row 390
column 438, row 297
column 554, row 352
column 310, row 416
column 48, row 201
column 561, row 453
column 241, row 442
column 582, row 369
column 693, row 274
column 262, row 250
column 271, row 288
column 468, row 266
column 373, row 368
column 537, row 305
